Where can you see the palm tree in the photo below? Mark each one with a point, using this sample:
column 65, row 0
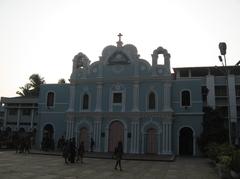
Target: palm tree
column 36, row 81
column 61, row 81
column 25, row 90
column 32, row 89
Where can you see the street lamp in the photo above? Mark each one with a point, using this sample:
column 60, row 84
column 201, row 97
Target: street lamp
column 223, row 48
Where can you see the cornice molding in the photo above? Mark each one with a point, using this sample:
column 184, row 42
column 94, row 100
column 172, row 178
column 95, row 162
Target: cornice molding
column 168, row 115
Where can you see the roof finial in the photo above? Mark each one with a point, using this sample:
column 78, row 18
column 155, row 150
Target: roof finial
column 119, row 43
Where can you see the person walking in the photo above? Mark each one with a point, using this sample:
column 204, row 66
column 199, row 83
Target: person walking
column 66, row 151
column 118, row 155
column 92, row 144
column 72, row 150
column 81, row 151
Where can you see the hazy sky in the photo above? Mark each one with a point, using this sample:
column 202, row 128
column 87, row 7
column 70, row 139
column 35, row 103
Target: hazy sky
column 43, row 36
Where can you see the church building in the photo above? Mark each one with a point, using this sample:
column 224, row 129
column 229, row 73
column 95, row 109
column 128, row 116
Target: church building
column 122, row 97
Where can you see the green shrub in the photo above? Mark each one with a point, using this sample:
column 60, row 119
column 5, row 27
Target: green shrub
column 225, row 161
column 235, row 165
column 212, row 151
column 225, row 149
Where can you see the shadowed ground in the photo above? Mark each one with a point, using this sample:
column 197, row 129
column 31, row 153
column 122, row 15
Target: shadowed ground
column 28, row 166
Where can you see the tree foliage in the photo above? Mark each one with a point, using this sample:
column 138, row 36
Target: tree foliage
column 61, row 81
column 214, row 129
column 32, row 88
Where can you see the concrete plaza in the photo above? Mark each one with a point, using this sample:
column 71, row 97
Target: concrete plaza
column 29, row 166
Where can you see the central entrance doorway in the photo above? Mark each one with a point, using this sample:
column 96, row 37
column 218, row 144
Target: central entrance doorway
column 116, row 134
column 84, row 137
column 151, row 141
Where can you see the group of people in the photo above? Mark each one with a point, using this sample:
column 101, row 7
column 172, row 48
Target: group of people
column 71, row 153
column 23, row 144
column 47, row 143
column 20, row 140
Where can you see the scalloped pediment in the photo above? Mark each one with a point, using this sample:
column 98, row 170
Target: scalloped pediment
column 118, row 57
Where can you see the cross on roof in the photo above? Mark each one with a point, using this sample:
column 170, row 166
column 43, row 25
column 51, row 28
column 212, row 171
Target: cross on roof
column 119, row 43
column 120, row 35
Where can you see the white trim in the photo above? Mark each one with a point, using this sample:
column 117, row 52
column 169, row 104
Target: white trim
column 182, row 90
column 194, row 138
column 99, row 93
column 72, row 89
column 122, row 104
column 159, row 131
column 89, row 101
column 41, row 131
column 135, row 97
column 149, row 123
column 197, row 102
column 51, row 112
column 188, row 79
column 82, row 125
column 189, row 113
column 151, row 90
column 54, row 99
column 55, row 103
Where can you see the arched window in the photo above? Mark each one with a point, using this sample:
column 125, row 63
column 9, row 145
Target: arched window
column 186, row 98
column 151, row 101
column 50, row 99
column 85, row 101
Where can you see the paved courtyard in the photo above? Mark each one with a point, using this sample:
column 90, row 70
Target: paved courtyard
column 29, row 166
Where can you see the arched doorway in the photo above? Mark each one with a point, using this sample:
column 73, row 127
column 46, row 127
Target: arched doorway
column 186, row 141
column 116, row 134
column 151, row 141
column 84, row 137
column 47, row 140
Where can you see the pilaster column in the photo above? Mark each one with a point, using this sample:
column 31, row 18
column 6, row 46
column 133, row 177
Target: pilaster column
column 135, row 96
column 167, row 96
column 134, row 136
column 70, row 117
column 67, row 130
column 232, row 98
column 5, row 118
column 167, row 137
column 97, row 134
column 137, row 137
column 211, row 91
column 71, row 98
column 32, row 118
column 70, row 126
column 18, row 117
column 99, row 97
column 194, row 145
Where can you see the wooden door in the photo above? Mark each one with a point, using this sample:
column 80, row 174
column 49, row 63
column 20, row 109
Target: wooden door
column 151, row 141
column 116, row 134
column 84, row 138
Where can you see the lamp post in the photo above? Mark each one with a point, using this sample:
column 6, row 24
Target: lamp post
column 223, row 48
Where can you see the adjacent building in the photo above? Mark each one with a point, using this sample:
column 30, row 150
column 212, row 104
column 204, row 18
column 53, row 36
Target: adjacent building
column 19, row 113
column 220, row 90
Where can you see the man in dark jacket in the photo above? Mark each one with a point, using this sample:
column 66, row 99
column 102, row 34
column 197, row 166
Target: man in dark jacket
column 118, row 155
column 81, row 151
